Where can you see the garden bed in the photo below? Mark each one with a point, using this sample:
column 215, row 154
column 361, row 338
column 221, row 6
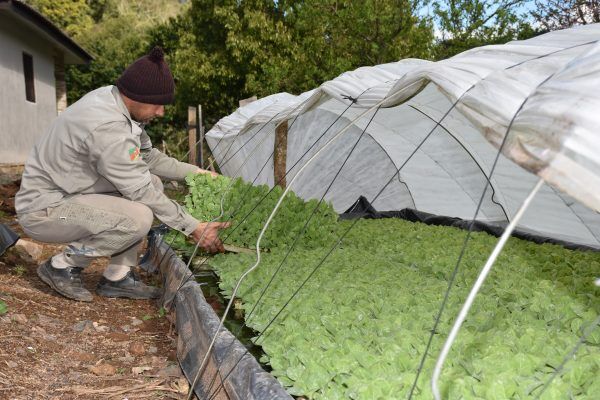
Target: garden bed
column 352, row 318
column 196, row 324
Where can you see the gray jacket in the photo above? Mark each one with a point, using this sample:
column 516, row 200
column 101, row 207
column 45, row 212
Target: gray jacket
column 95, row 147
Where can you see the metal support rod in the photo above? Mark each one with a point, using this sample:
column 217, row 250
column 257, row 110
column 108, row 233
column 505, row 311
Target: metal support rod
column 262, row 232
column 475, row 289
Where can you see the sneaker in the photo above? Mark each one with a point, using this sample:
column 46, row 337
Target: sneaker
column 130, row 287
column 66, row 281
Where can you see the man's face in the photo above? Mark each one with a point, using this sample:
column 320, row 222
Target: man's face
column 144, row 113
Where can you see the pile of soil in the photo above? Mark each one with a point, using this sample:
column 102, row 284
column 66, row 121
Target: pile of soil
column 55, row 348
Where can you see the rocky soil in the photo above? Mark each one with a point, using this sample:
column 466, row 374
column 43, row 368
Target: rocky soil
column 55, row 348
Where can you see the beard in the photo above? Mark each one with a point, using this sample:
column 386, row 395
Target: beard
column 141, row 119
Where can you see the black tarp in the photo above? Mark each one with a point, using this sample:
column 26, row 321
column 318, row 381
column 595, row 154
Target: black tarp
column 196, row 323
column 7, row 238
column 362, row 208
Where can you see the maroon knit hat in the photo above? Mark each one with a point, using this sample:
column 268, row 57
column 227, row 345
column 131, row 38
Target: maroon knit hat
column 148, row 80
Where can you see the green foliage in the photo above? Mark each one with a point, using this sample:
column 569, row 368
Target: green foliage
column 119, row 36
column 336, row 36
column 147, row 317
column 359, row 327
column 221, row 51
column 466, row 24
column 19, row 270
column 219, row 48
column 240, row 207
column 3, row 307
column 225, row 50
column 72, row 16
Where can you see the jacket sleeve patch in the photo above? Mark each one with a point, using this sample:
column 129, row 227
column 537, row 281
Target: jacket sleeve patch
column 134, row 153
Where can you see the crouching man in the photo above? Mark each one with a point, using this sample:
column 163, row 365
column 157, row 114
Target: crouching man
column 92, row 181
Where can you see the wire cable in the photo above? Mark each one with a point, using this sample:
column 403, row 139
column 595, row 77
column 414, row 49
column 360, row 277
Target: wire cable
column 258, row 259
column 289, row 170
column 472, row 222
column 301, row 233
column 320, row 263
column 476, row 287
column 186, row 277
column 262, row 232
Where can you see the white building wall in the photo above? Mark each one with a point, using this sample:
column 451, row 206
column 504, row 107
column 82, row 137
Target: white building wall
column 22, row 122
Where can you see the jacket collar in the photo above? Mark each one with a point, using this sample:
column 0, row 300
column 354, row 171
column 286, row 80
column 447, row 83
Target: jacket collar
column 123, row 108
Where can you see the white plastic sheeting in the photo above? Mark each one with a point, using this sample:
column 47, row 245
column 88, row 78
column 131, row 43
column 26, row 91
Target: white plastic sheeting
column 441, row 124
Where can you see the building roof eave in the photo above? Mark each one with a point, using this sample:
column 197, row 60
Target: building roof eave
column 73, row 53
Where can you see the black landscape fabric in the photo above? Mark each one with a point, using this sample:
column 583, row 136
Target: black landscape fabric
column 7, row 238
column 362, row 208
column 196, row 324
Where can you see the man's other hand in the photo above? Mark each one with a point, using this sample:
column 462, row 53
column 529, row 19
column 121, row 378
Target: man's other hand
column 207, row 235
column 205, row 171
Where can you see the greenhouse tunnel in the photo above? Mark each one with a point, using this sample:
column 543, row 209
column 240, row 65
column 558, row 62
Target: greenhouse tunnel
column 448, row 171
column 433, row 140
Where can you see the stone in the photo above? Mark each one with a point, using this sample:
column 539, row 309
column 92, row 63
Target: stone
column 136, row 322
column 84, row 326
column 19, row 318
column 140, row 370
column 152, row 349
column 100, row 328
column 172, row 370
column 39, row 331
column 80, row 356
column 159, row 362
column 137, row 349
column 103, row 369
column 29, row 250
column 48, row 322
column 181, row 385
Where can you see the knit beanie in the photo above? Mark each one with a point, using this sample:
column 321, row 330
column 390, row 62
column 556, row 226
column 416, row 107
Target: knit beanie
column 148, row 80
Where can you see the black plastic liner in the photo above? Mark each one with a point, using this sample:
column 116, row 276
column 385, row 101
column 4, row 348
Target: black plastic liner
column 196, row 323
column 8, row 238
column 362, row 208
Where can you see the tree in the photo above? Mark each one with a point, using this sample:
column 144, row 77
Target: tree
column 465, row 24
column 225, row 50
column 560, row 14
column 72, row 16
column 119, row 36
column 335, row 36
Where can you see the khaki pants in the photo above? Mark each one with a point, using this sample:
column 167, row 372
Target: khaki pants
column 94, row 225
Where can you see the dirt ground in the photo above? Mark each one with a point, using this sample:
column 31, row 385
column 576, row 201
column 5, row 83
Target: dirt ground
column 55, row 348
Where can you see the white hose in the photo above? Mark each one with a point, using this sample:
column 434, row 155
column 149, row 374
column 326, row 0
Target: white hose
column 475, row 289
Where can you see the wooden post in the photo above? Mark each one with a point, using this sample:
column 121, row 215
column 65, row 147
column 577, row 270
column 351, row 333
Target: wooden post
column 280, row 153
column 200, row 146
column 192, row 135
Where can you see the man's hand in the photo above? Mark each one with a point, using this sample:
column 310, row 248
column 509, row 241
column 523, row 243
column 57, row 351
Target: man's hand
column 205, row 171
column 207, row 235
